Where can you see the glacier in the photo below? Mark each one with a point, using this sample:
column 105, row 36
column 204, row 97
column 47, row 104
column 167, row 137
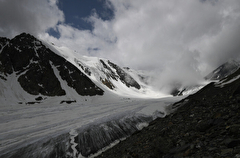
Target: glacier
column 48, row 128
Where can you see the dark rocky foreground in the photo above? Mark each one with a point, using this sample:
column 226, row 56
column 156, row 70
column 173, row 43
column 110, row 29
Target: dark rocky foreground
column 206, row 125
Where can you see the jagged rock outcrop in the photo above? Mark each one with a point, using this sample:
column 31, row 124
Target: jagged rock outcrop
column 107, row 73
column 124, row 77
column 34, row 65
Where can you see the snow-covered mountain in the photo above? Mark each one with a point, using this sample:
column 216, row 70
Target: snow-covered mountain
column 31, row 68
column 109, row 76
column 107, row 102
column 104, row 99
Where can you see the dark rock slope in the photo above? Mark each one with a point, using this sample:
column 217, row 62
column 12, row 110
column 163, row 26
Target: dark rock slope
column 33, row 64
column 224, row 70
column 205, row 125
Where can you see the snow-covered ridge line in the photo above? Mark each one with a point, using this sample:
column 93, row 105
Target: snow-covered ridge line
column 108, row 75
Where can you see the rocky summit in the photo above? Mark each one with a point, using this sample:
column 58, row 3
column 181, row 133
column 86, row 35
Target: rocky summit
column 204, row 125
column 36, row 68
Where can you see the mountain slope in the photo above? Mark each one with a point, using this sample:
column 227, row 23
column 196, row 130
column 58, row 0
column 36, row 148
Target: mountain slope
column 35, row 67
column 30, row 68
column 205, row 124
column 109, row 76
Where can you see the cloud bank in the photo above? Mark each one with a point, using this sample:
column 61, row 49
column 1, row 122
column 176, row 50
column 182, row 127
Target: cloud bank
column 178, row 40
column 32, row 16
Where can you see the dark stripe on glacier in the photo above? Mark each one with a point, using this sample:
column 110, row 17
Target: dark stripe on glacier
column 96, row 137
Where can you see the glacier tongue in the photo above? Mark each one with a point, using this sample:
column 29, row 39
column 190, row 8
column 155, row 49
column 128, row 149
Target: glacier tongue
column 84, row 136
column 83, row 142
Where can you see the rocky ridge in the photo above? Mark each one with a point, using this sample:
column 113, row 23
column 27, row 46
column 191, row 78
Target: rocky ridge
column 205, row 125
column 33, row 65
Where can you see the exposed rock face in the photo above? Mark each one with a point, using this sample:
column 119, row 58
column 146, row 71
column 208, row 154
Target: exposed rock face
column 124, row 77
column 107, row 73
column 111, row 74
column 34, row 65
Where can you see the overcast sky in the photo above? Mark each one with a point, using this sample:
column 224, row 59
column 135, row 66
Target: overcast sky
column 183, row 39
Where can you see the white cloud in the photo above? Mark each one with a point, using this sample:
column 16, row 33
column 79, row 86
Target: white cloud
column 32, row 16
column 175, row 38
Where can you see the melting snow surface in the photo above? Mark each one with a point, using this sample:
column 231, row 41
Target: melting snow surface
column 23, row 124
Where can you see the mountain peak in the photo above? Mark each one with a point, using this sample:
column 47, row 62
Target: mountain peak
column 40, row 71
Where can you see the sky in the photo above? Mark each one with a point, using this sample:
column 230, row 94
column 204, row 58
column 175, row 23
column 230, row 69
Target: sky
column 176, row 40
